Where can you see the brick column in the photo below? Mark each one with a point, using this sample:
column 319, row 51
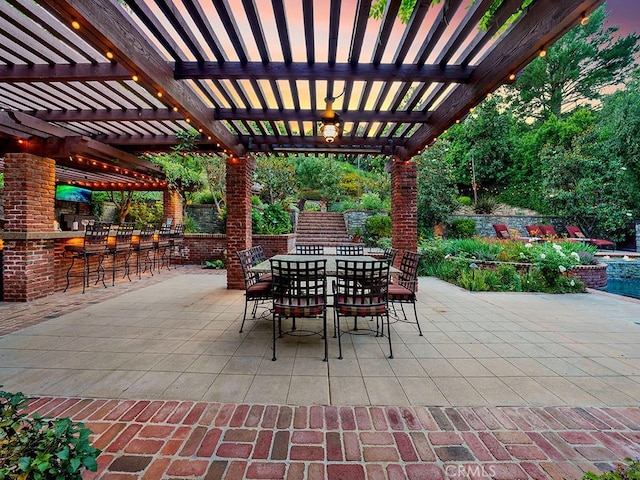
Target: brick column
column 239, row 173
column 404, row 205
column 29, row 207
column 172, row 206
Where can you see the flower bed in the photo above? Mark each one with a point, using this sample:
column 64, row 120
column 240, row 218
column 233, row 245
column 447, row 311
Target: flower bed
column 481, row 264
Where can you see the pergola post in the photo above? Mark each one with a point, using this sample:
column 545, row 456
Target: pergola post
column 404, row 205
column 172, row 206
column 239, row 174
column 29, row 209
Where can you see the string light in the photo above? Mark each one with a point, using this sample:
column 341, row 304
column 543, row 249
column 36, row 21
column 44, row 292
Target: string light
column 543, row 53
column 135, row 77
column 109, row 55
column 75, row 24
column 584, row 21
column 512, row 77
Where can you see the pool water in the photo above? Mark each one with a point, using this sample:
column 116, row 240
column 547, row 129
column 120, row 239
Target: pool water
column 629, row 287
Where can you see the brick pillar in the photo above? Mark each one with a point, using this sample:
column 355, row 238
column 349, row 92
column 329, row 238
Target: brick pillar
column 29, row 208
column 239, row 173
column 404, row 206
column 172, row 206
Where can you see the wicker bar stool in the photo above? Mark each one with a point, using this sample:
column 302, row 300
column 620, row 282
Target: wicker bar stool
column 143, row 249
column 122, row 247
column 95, row 245
column 162, row 251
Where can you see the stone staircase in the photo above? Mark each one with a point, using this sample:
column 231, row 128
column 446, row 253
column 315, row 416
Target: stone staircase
column 322, row 228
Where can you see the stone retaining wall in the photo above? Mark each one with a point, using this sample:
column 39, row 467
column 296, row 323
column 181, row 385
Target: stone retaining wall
column 619, row 268
column 484, row 223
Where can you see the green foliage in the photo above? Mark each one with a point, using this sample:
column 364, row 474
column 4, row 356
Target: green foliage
column 145, row 213
column 371, row 202
column 214, row 264
column 191, row 226
column 576, row 68
column 1, row 180
column 630, row 470
column 486, row 204
column 465, row 201
column 274, row 220
column 277, row 176
column 492, row 265
column 437, row 192
column 376, row 227
column 202, row 197
column 41, row 448
column 461, row 228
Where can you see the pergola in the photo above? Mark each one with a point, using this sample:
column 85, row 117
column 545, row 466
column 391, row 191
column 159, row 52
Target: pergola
column 93, row 83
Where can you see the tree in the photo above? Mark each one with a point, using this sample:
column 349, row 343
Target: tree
column 588, row 189
column 575, row 69
column 436, row 186
column 277, row 176
column 480, row 147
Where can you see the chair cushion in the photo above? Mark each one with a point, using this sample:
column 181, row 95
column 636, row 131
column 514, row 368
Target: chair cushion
column 290, row 307
column 399, row 293
column 259, row 289
column 361, row 310
column 601, row 243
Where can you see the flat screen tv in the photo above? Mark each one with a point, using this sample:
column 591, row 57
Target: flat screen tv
column 71, row 193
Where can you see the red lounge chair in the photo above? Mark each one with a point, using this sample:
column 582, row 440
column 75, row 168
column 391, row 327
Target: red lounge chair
column 502, row 231
column 533, row 230
column 575, row 232
column 547, row 231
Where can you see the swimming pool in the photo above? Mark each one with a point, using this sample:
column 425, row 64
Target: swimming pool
column 629, row 287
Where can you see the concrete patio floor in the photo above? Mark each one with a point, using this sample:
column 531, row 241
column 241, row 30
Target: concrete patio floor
column 534, row 385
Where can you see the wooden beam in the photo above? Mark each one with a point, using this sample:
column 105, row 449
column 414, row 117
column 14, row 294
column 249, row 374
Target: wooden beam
column 317, row 71
column 117, row 34
column 543, row 23
column 82, row 72
column 111, row 115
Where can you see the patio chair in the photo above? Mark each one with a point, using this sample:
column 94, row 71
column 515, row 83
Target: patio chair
column 255, row 289
column 350, row 250
column 121, row 247
column 390, row 254
column 299, row 290
column 361, row 290
column 576, row 232
column 404, row 290
column 309, row 250
column 95, row 245
column 503, row 233
column 257, row 256
column 143, row 248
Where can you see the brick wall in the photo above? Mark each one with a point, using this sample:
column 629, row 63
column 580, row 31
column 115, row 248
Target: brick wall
column 29, row 191
column 29, row 206
column 172, row 206
column 239, row 173
column 276, row 244
column 593, row 276
column 404, row 205
column 200, row 247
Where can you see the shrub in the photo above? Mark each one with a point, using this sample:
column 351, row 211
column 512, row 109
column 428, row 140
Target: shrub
column 461, row 228
column 145, row 213
column 275, row 221
column 203, row 197
column 630, row 470
column 256, row 221
column 376, row 227
column 191, row 226
column 371, row 201
column 41, row 448
column 465, row 201
column 486, row 204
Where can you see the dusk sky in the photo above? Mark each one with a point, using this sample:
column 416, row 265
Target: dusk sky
column 625, row 14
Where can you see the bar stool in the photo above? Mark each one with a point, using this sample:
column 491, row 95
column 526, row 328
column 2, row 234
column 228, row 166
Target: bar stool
column 144, row 247
column 162, row 251
column 122, row 246
column 177, row 242
column 95, row 245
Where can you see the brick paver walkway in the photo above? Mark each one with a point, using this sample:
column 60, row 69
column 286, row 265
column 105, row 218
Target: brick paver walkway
column 168, row 439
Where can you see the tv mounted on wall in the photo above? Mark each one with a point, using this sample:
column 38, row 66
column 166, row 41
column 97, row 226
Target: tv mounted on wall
column 71, row 193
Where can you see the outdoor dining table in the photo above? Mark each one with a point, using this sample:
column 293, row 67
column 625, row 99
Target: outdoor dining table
column 331, row 269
